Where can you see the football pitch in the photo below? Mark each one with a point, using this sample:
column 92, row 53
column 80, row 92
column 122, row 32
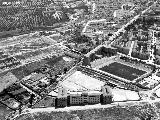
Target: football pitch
column 123, row 71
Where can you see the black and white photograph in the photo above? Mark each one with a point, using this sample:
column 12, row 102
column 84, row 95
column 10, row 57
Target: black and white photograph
column 79, row 59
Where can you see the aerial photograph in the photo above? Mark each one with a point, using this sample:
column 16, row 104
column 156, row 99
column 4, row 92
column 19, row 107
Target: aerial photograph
column 79, row 59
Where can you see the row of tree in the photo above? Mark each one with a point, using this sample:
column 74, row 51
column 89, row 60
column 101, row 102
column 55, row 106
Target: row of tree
column 18, row 18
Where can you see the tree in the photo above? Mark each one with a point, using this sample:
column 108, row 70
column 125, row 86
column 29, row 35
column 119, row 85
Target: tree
column 77, row 38
column 86, row 61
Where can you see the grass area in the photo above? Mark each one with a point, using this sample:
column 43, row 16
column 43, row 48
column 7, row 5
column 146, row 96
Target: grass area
column 4, row 112
column 131, row 111
column 123, row 71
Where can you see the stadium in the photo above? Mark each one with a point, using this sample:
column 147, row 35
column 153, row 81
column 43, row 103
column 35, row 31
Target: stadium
column 109, row 62
column 123, row 71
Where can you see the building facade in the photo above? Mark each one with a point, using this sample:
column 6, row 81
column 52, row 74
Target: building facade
column 106, row 97
column 84, row 98
column 94, row 97
column 61, row 100
column 76, row 98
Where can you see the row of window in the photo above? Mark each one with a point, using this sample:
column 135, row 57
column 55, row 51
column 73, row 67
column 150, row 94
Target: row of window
column 80, row 99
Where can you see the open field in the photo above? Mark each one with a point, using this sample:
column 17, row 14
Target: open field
column 122, row 111
column 4, row 112
column 78, row 81
column 123, row 71
column 124, row 95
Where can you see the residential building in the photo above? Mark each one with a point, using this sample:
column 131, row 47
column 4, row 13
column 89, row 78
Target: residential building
column 84, row 98
column 94, row 97
column 76, row 98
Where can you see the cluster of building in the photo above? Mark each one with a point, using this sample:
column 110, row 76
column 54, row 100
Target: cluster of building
column 40, row 66
column 126, row 11
column 78, row 88
column 107, row 8
column 64, row 98
column 26, row 85
column 141, row 37
column 45, row 75
column 101, row 27
column 113, row 59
